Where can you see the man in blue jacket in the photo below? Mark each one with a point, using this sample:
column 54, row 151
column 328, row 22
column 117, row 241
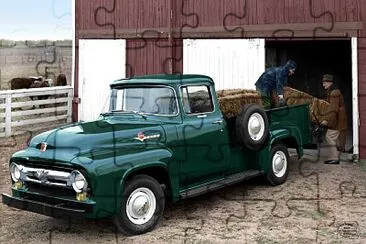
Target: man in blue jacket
column 274, row 79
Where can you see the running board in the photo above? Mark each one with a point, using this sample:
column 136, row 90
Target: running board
column 212, row 186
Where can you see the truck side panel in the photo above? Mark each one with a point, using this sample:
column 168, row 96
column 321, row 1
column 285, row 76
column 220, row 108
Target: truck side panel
column 297, row 116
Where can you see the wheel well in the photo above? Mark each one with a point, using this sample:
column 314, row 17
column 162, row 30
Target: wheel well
column 156, row 172
column 290, row 143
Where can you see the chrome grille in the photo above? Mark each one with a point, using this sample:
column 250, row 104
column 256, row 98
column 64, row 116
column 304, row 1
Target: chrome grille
column 46, row 177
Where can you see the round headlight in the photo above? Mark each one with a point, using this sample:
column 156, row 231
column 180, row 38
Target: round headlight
column 15, row 171
column 78, row 181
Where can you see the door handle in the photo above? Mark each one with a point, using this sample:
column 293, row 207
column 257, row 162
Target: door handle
column 218, row 122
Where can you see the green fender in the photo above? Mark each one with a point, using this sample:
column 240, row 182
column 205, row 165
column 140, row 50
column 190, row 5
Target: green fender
column 290, row 136
column 158, row 158
column 108, row 172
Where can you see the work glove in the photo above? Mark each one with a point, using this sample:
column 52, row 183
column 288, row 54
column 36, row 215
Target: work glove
column 281, row 101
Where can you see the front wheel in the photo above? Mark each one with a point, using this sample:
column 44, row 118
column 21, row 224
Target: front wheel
column 142, row 206
column 278, row 172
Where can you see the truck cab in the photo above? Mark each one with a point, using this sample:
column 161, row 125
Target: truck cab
column 162, row 138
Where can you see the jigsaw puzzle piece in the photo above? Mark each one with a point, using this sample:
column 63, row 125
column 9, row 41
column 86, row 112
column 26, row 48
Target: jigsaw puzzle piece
column 103, row 17
column 61, row 8
column 346, row 222
column 321, row 15
column 37, row 230
column 234, row 17
column 181, row 223
column 189, row 20
column 42, row 66
column 265, row 219
column 102, row 230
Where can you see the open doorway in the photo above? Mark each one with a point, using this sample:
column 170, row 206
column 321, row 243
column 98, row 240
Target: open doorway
column 315, row 58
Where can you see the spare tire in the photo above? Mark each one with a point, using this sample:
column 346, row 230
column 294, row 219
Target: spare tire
column 252, row 126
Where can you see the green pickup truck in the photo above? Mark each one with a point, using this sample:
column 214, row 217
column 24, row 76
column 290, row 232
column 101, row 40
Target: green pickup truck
column 162, row 138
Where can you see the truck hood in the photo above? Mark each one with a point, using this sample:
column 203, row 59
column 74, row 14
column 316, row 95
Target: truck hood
column 88, row 139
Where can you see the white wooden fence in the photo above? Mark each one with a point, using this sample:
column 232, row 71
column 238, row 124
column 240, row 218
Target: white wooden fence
column 20, row 114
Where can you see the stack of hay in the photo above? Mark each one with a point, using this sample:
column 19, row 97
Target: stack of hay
column 232, row 100
column 317, row 106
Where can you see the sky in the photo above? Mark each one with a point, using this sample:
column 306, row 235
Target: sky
column 36, row 19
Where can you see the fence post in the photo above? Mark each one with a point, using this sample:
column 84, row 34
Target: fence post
column 69, row 105
column 8, row 115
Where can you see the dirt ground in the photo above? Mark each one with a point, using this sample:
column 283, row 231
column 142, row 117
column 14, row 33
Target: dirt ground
column 318, row 204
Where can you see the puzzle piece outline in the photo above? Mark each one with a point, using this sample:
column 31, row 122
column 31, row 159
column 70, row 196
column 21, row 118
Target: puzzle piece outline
column 54, row 12
column 314, row 32
column 243, row 31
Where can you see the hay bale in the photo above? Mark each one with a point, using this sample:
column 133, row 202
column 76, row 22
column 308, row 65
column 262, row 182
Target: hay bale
column 230, row 105
column 231, row 101
column 296, row 97
column 317, row 106
column 228, row 92
column 319, row 109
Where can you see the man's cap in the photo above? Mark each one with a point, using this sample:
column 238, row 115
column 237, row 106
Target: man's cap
column 291, row 64
column 328, row 77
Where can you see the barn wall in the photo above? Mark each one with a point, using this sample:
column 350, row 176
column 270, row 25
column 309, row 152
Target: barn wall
column 99, row 14
column 153, row 56
column 144, row 22
column 105, row 15
column 140, row 20
column 362, row 82
column 239, row 12
column 75, row 116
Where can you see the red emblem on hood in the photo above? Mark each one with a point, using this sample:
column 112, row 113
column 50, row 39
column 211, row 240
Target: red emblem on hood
column 141, row 135
column 43, row 147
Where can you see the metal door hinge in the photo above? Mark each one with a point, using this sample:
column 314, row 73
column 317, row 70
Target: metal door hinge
column 76, row 100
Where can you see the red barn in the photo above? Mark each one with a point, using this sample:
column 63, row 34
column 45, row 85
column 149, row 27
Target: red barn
column 230, row 40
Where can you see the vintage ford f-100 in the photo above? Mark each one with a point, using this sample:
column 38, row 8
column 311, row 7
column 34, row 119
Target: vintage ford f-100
column 163, row 138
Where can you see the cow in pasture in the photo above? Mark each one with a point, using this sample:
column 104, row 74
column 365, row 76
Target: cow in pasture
column 23, row 83
column 40, row 84
column 30, row 82
column 61, row 80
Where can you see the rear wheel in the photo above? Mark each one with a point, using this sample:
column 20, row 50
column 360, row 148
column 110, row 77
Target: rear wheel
column 278, row 171
column 142, row 205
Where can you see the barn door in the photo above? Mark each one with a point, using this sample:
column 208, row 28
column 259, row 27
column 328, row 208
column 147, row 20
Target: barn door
column 100, row 62
column 234, row 63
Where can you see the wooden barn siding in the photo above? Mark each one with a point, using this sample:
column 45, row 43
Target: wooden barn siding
column 362, row 82
column 92, row 14
column 236, row 12
column 153, row 56
column 155, row 13
column 75, row 113
column 362, row 96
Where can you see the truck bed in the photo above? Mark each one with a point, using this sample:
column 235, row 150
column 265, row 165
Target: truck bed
column 289, row 116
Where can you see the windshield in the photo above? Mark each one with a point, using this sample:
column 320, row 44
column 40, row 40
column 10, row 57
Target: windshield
column 146, row 100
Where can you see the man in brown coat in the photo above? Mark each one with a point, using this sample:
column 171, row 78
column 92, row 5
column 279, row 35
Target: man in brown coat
column 336, row 118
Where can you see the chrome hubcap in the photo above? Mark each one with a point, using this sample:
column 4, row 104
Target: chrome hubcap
column 141, row 206
column 279, row 164
column 256, row 126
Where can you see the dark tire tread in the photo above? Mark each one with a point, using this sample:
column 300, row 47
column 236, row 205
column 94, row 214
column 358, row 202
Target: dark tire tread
column 242, row 127
column 271, row 178
column 123, row 224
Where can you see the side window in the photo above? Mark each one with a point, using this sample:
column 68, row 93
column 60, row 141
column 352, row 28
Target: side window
column 196, row 99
